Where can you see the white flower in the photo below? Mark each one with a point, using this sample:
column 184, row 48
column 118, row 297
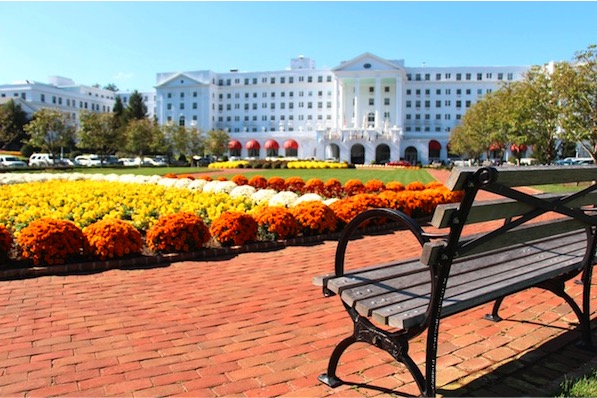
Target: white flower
column 182, row 182
column 262, row 196
column 284, row 198
column 308, row 197
column 328, row 202
column 196, row 185
column 225, row 186
column 242, row 191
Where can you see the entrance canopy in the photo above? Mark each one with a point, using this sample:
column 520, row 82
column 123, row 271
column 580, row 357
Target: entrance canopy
column 291, row 144
column 253, row 144
column 234, row 144
column 271, row 144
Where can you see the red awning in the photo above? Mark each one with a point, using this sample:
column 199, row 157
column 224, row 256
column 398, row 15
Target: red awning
column 434, row 145
column 234, row 144
column 253, row 144
column 291, row 144
column 271, row 144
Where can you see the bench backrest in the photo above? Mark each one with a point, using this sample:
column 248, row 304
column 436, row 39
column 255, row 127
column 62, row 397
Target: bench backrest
column 518, row 209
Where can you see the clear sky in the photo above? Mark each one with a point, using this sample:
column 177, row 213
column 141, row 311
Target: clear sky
column 127, row 43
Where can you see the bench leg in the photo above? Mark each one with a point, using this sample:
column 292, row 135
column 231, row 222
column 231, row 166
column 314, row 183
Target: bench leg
column 494, row 312
column 584, row 321
column 395, row 344
column 330, row 377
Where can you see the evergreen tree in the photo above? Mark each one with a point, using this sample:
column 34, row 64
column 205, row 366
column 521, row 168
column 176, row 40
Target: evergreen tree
column 136, row 108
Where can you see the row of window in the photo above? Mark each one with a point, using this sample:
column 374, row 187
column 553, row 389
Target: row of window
column 467, row 76
column 71, row 103
column 273, row 80
column 438, row 103
column 273, row 94
column 426, row 129
column 447, row 91
column 427, row 116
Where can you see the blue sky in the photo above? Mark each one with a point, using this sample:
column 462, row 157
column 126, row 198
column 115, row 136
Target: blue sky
column 127, row 43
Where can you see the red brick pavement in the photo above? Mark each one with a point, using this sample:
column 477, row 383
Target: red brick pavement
column 254, row 325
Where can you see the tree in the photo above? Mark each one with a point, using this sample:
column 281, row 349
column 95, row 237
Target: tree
column 216, row 142
column 118, row 114
column 183, row 140
column 12, row 121
column 482, row 125
column 136, row 108
column 50, row 130
column 578, row 88
column 143, row 137
column 111, row 87
column 97, row 132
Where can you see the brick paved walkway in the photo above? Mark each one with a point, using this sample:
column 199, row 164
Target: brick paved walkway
column 253, row 325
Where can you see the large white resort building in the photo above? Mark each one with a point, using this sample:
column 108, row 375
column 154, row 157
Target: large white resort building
column 365, row 110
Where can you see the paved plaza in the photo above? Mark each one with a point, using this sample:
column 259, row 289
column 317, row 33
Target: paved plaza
column 252, row 324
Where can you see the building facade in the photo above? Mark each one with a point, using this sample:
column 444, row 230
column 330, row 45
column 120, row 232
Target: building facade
column 365, row 110
column 61, row 94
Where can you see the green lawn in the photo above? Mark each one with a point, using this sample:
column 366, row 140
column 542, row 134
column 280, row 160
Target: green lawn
column 404, row 176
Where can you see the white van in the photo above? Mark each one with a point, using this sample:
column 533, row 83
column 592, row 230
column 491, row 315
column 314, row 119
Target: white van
column 11, row 161
column 41, row 159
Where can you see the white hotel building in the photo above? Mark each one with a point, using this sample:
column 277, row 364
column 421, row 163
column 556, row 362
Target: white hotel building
column 365, row 110
column 60, row 93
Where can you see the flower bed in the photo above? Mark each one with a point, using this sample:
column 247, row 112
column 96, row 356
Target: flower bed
column 113, row 216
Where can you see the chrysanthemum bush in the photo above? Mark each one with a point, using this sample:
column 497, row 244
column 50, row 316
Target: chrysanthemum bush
column 6, row 242
column 234, row 229
column 180, row 232
column 49, row 241
column 314, row 218
column 113, row 238
column 275, row 223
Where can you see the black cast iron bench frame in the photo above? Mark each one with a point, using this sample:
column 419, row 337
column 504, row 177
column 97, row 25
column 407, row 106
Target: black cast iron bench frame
column 392, row 303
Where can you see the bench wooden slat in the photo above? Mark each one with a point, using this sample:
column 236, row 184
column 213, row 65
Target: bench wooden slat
column 500, row 209
column 368, row 298
column 527, row 176
column 369, row 289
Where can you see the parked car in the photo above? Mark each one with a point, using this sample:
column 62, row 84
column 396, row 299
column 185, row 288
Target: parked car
column 41, row 160
column 399, row 163
column 129, row 162
column 11, row 161
column 88, row 160
column 147, row 161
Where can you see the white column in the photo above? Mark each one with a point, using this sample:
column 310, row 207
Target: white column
column 357, row 93
column 340, row 113
column 398, row 102
column 377, row 103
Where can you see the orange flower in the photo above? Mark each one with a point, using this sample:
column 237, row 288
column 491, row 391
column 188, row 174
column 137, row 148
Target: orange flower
column 189, row 176
column 113, row 238
column 258, row 182
column 353, row 187
column 294, row 184
column 275, row 223
column 49, row 241
column 348, row 208
column 240, row 180
column 314, row 185
column 180, row 232
column 374, row 186
column 395, row 186
column 315, row 218
column 234, row 228
column 5, row 242
column 415, row 186
column 276, row 183
column 333, row 188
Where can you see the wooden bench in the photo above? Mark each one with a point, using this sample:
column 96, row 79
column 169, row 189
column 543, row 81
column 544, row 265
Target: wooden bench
column 392, row 303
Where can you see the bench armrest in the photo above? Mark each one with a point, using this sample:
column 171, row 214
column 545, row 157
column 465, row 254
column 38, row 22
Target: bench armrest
column 354, row 224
